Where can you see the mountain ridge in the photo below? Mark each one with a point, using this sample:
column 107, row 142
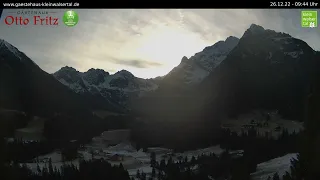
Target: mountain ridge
column 193, row 70
column 26, row 87
column 123, row 85
column 117, row 87
column 267, row 69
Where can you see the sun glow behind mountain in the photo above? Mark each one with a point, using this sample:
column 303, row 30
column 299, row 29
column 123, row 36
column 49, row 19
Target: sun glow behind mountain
column 165, row 45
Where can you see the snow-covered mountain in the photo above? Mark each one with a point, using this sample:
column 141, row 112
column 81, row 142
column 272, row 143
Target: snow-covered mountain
column 120, row 86
column 24, row 86
column 267, row 69
column 116, row 87
column 196, row 68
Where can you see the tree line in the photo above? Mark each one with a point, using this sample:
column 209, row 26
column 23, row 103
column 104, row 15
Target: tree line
column 86, row 170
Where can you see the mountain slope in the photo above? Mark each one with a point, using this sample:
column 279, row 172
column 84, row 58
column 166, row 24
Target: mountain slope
column 172, row 96
column 116, row 88
column 193, row 70
column 266, row 69
column 24, row 86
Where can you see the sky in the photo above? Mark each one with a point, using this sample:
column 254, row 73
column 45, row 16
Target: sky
column 146, row 42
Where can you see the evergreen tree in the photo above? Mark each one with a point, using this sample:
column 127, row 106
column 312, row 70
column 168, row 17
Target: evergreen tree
column 185, row 159
column 153, row 174
column 143, row 176
column 159, row 175
column 38, row 169
column 138, row 174
column 170, row 161
column 138, row 147
column 193, row 160
column 45, row 171
column 162, row 164
column 153, row 159
column 286, row 176
column 92, row 154
column 121, row 166
column 56, row 170
column 276, row 176
column 50, row 168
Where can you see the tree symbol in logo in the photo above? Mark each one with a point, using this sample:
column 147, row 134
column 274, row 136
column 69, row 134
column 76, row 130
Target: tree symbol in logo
column 70, row 18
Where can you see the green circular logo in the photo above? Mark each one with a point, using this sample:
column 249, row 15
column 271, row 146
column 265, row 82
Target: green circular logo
column 70, row 18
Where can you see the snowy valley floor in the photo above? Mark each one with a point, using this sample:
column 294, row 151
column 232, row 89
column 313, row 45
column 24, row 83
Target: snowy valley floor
column 138, row 160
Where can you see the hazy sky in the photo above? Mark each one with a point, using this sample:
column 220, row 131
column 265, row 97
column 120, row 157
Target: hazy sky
column 148, row 43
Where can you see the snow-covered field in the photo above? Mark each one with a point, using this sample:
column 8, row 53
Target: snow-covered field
column 33, row 166
column 139, row 160
column 132, row 159
column 269, row 168
column 273, row 126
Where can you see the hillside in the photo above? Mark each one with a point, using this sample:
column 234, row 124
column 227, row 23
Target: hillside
column 267, row 69
column 25, row 86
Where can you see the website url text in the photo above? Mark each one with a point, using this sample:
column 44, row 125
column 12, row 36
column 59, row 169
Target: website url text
column 43, row 4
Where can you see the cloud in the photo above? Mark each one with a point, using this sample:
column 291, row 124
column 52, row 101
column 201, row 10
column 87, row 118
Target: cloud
column 136, row 63
column 146, row 42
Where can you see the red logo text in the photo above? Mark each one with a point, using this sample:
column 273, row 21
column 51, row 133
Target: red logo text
column 35, row 20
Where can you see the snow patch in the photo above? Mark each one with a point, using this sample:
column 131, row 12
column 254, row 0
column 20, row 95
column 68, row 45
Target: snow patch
column 282, row 38
column 278, row 165
column 199, row 66
column 294, row 54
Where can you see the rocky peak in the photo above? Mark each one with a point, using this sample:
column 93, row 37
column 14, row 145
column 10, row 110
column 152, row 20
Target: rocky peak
column 256, row 28
column 95, row 76
column 232, row 40
column 222, row 46
column 69, row 74
column 68, row 69
column 97, row 71
column 125, row 73
column 184, row 59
